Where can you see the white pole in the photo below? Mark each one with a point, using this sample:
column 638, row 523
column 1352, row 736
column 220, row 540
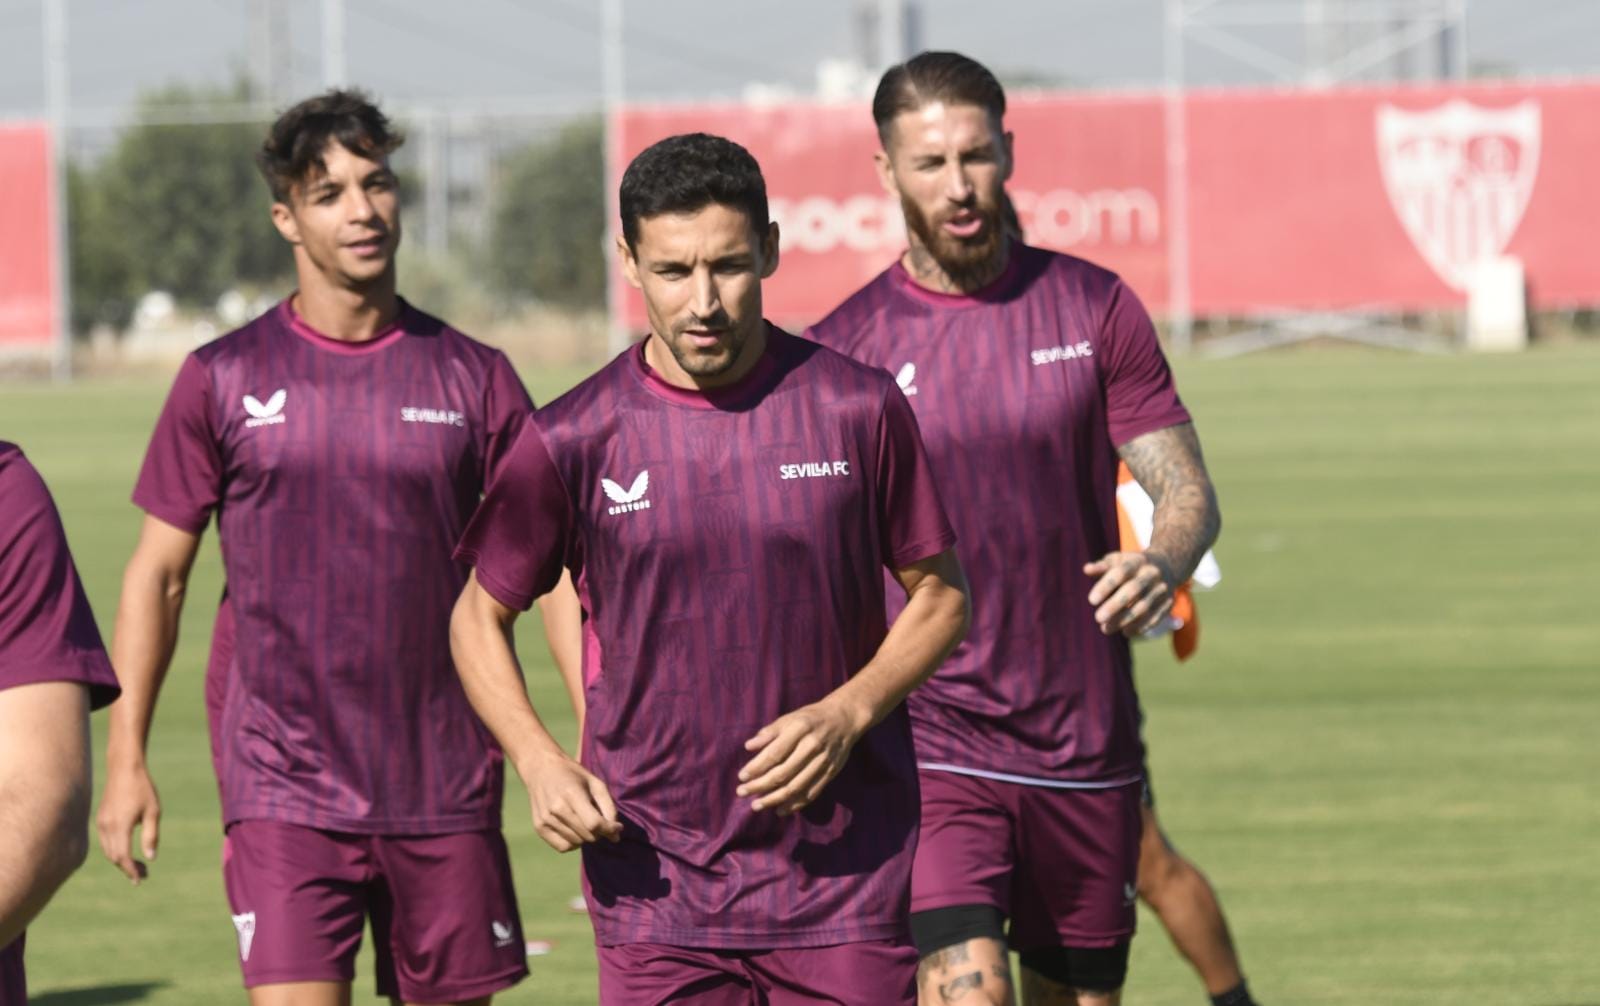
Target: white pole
column 1177, row 135
column 612, row 89
column 56, row 82
column 333, row 69
column 891, row 32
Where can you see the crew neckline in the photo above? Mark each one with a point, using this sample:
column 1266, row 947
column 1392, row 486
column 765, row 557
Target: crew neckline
column 726, row 397
column 994, row 290
column 380, row 339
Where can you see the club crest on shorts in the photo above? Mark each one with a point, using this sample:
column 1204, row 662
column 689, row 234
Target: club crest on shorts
column 1459, row 177
column 245, row 925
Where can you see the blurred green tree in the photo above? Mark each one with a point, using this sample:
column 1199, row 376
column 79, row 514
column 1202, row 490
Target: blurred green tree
column 174, row 207
column 549, row 220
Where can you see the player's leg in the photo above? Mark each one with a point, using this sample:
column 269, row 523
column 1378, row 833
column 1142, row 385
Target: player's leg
column 871, row 973
column 960, row 891
column 1073, row 899
column 445, row 925
column 13, row 978
column 653, row 974
column 1188, row 908
column 298, row 901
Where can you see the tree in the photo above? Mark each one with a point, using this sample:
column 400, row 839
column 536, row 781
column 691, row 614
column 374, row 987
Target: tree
column 178, row 208
column 549, row 220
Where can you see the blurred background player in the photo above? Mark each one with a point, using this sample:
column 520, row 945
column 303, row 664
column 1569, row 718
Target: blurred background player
column 727, row 498
column 343, row 440
column 53, row 671
column 1169, row 883
column 1031, row 372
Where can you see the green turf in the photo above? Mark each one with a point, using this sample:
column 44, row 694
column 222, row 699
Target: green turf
column 1384, row 755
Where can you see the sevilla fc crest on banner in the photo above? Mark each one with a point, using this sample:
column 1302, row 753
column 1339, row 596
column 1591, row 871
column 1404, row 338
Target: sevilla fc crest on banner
column 1459, row 176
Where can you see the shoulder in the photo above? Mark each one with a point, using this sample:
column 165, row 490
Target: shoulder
column 590, row 407
column 247, row 341
column 828, row 374
column 21, row 487
column 452, row 341
column 856, row 315
column 1060, row 272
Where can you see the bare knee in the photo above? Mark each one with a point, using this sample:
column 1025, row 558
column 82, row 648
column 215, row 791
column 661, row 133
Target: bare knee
column 973, row 973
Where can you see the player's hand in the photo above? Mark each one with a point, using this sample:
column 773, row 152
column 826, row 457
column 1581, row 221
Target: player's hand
column 799, row 754
column 571, row 805
column 129, row 800
column 1134, row 592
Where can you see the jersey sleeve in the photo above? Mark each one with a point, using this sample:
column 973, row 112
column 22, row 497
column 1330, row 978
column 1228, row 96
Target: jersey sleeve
column 47, row 630
column 521, row 536
column 506, row 407
column 1140, row 394
column 181, row 480
column 910, row 513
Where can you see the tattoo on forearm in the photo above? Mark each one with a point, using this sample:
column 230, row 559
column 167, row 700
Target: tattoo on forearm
column 956, row 990
column 1168, row 464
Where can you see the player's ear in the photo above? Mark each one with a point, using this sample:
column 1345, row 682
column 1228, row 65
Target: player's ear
column 630, row 265
column 769, row 251
column 283, row 219
column 1011, row 158
column 885, row 165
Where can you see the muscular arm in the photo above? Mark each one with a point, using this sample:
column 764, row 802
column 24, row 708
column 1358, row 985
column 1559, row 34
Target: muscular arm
column 799, row 753
column 1168, row 465
column 44, row 796
column 153, row 587
column 570, row 806
column 1135, row 589
column 563, row 633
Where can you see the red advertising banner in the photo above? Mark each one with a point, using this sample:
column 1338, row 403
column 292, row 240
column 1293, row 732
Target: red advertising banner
column 27, row 252
column 1380, row 198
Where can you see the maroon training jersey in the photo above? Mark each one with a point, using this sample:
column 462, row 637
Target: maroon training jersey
column 1024, row 391
column 47, row 632
column 341, row 475
column 731, row 545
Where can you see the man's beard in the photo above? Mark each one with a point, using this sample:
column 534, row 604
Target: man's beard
column 969, row 262
column 699, row 364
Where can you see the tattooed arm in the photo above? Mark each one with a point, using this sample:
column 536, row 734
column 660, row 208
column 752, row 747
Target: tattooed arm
column 1135, row 589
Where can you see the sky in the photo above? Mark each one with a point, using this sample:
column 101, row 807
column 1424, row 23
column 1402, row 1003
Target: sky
column 545, row 53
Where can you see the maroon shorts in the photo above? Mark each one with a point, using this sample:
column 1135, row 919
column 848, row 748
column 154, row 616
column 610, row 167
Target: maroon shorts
column 876, row 973
column 13, row 982
column 1061, row 864
column 444, row 914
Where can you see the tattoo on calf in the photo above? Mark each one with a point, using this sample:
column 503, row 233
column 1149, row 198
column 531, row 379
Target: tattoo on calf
column 957, row 990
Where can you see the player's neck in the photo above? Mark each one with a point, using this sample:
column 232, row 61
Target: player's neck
column 666, row 366
column 344, row 314
column 927, row 273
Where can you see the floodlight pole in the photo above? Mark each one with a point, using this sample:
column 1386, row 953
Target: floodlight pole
column 612, row 97
column 55, row 89
column 1179, row 307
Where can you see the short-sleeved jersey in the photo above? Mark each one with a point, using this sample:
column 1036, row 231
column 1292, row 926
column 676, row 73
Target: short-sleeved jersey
column 341, row 476
column 731, row 547
column 47, row 632
column 1024, row 391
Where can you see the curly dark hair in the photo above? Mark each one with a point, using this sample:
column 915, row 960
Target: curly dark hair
column 292, row 151
column 935, row 76
column 688, row 172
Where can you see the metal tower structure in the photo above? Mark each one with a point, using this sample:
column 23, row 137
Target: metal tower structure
column 1302, row 43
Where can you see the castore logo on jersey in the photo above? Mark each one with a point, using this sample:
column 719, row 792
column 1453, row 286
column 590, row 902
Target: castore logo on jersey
column 265, row 414
column 907, row 379
column 630, row 499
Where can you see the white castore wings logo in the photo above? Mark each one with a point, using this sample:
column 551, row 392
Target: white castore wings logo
column 632, row 498
column 907, row 379
column 265, row 414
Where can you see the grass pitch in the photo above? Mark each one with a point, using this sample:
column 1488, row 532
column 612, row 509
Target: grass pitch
column 1384, row 754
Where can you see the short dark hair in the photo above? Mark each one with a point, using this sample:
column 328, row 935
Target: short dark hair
column 688, row 172
column 293, row 148
column 935, row 76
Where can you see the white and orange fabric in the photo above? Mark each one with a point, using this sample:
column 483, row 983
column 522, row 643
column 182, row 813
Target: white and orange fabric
column 1136, row 522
